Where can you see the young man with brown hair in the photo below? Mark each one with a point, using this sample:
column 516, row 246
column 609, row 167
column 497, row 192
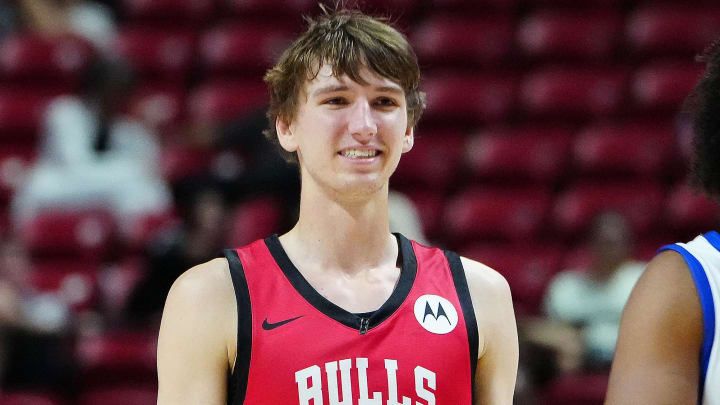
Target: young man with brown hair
column 339, row 310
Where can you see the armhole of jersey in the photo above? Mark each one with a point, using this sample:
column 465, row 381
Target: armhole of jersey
column 463, row 292
column 238, row 378
column 714, row 239
column 702, row 285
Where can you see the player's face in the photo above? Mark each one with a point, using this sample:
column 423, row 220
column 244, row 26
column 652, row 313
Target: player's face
column 348, row 136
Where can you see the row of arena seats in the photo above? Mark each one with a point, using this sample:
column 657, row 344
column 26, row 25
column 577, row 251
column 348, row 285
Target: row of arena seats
column 541, row 155
column 506, row 229
column 453, row 99
column 506, row 211
column 238, row 47
column 446, row 40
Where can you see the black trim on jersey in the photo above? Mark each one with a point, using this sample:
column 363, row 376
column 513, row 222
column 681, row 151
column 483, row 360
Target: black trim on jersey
column 398, row 296
column 238, row 379
column 463, row 292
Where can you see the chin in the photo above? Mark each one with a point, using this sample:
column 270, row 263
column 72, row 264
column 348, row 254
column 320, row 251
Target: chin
column 359, row 189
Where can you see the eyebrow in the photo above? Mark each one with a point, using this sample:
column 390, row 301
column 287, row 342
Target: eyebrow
column 330, row 89
column 340, row 87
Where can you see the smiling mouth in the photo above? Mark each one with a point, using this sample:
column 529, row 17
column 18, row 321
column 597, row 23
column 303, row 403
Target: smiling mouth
column 359, row 154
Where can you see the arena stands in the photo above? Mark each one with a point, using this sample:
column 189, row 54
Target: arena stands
column 541, row 114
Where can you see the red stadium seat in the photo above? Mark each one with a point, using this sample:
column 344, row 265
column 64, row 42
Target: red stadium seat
column 577, row 390
column 184, row 12
column 575, row 208
column 118, row 283
column 157, row 53
column 255, row 219
column 76, row 281
column 22, row 111
column 429, row 204
column 119, row 356
column 527, row 270
column 470, row 99
column 28, row 398
column 465, row 6
column 83, row 233
column 681, row 29
column 584, row 5
column 570, row 34
column 178, row 161
column 513, row 214
column 430, row 161
column 534, row 153
column 664, row 86
column 244, row 47
column 159, row 107
column 641, row 149
column 30, row 58
column 144, row 229
column 573, row 93
column 119, row 396
column 268, row 9
column 15, row 160
column 226, row 100
column 688, row 210
column 449, row 41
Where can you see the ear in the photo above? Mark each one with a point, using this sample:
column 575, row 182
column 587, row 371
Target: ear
column 285, row 135
column 409, row 140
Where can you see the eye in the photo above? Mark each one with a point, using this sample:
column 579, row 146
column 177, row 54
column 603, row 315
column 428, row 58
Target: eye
column 386, row 102
column 335, row 101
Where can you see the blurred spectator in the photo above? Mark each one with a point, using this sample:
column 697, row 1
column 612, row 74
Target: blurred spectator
column 35, row 328
column 92, row 155
column 200, row 238
column 87, row 19
column 260, row 171
column 404, row 217
column 8, row 18
column 593, row 299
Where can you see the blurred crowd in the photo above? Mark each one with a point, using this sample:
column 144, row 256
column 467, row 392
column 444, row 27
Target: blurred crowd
column 96, row 153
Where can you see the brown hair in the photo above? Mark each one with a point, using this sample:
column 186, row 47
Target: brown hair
column 348, row 41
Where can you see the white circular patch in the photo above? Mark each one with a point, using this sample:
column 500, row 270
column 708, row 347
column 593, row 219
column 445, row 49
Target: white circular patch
column 436, row 314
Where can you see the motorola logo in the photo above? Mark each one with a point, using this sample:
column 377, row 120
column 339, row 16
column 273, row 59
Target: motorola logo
column 436, row 314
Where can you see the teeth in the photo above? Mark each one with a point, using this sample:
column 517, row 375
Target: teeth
column 356, row 153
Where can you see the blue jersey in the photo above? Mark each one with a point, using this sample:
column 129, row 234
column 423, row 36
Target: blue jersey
column 702, row 256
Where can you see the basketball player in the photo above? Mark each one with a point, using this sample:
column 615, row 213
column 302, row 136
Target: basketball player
column 668, row 350
column 339, row 310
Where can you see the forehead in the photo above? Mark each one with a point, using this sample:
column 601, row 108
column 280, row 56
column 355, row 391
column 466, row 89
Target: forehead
column 325, row 77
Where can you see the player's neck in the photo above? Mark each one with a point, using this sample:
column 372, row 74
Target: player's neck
column 347, row 236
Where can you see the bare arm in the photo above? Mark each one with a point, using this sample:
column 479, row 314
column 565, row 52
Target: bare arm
column 498, row 352
column 657, row 355
column 197, row 334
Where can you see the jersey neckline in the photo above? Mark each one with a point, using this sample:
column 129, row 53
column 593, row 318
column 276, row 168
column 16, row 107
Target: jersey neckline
column 408, row 271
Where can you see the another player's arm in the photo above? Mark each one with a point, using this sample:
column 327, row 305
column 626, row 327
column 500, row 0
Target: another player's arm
column 196, row 337
column 657, row 355
column 498, row 352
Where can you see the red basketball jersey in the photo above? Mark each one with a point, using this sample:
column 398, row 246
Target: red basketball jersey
column 296, row 347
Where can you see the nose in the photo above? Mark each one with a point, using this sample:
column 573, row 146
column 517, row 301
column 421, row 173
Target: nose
column 361, row 123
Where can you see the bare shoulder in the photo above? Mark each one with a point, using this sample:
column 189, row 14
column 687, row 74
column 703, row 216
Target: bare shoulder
column 666, row 293
column 204, row 280
column 484, row 280
column 492, row 304
column 661, row 331
column 202, row 298
column 668, row 270
column 196, row 336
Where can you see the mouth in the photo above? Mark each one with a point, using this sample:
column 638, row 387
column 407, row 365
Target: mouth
column 360, row 153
